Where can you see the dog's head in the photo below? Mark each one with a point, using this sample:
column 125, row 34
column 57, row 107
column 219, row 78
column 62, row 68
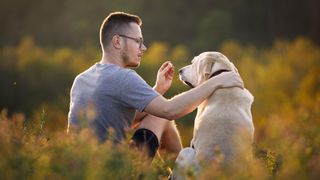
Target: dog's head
column 203, row 67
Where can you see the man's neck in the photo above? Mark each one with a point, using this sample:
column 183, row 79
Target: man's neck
column 109, row 58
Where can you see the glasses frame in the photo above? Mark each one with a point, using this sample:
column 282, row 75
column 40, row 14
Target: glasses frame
column 138, row 40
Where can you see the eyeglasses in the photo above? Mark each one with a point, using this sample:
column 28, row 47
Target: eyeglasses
column 138, row 40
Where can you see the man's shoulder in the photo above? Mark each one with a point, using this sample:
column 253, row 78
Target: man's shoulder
column 108, row 72
column 104, row 69
column 112, row 69
column 86, row 71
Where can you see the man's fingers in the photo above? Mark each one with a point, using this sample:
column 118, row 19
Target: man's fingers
column 164, row 65
column 168, row 68
column 229, row 79
column 170, row 73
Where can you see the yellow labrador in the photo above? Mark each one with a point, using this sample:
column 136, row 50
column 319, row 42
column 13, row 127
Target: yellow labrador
column 223, row 126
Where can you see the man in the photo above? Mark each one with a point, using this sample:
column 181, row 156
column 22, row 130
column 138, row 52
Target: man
column 109, row 95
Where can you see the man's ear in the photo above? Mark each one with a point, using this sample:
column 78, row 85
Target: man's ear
column 116, row 42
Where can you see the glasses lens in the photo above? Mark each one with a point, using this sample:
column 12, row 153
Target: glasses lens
column 139, row 40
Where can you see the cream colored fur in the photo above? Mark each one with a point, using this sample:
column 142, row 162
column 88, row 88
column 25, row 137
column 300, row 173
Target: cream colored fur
column 223, row 126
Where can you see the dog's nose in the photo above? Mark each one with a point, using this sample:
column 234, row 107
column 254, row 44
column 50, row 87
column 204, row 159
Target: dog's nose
column 180, row 70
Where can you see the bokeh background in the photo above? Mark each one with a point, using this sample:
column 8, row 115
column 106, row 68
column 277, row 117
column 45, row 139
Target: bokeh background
column 44, row 44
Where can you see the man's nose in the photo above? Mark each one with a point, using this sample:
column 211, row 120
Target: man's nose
column 144, row 48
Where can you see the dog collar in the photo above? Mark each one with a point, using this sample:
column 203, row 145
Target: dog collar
column 218, row 72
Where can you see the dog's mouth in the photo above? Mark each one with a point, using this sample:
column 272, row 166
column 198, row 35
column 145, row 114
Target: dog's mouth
column 218, row 72
column 185, row 82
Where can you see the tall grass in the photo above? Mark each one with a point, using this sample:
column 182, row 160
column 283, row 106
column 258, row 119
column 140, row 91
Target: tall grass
column 27, row 152
column 31, row 154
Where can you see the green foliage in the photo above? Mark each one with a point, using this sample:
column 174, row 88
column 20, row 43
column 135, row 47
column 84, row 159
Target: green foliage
column 31, row 75
column 215, row 28
column 272, row 160
column 76, row 22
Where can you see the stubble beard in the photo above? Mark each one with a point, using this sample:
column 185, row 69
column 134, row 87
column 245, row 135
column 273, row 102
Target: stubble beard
column 126, row 59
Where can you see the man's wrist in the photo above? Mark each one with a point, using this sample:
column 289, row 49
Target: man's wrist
column 159, row 90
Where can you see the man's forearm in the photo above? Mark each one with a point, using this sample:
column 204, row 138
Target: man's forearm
column 188, row 101
column 181, row 104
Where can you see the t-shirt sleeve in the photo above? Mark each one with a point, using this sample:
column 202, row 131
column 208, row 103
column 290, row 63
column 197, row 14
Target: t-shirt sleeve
column 135, row 92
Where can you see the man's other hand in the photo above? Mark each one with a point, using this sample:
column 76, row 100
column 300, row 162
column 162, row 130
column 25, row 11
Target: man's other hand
column 164, row 77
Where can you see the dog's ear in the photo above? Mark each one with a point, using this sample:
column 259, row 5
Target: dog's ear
column 206, row 68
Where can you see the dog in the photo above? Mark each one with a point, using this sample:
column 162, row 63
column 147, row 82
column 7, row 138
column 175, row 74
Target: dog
column 223, row 127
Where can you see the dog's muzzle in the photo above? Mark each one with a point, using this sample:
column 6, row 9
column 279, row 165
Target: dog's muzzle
column 185, row 82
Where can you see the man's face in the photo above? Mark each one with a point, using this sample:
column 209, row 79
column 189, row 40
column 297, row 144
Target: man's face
column 133, row 47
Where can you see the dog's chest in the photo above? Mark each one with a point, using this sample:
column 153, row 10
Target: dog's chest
column 226, row 107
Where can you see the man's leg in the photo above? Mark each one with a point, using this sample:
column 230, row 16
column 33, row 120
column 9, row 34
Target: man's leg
column 154, row 132
column 170, row 140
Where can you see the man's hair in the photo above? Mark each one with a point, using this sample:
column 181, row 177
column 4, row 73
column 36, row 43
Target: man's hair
column 116, row 23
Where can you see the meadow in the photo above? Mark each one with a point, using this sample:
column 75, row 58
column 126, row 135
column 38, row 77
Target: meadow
column 283, row 78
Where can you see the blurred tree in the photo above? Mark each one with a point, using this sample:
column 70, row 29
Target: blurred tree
column 31, row 75
column 75, row 23
column 214, row 28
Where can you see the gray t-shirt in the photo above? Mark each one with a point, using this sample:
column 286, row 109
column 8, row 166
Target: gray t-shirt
column 106, row 96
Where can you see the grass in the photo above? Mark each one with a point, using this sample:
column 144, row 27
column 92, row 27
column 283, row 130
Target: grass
column 28, row 152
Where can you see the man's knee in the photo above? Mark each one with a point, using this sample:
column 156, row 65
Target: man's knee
column 170, row 140
column 146, row 140
column 155, row 124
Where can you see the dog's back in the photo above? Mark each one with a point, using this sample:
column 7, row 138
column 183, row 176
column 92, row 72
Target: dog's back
column 225, row 126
